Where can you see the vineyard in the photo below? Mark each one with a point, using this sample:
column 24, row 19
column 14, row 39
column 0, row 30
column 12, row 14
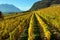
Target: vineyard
column 42, row 24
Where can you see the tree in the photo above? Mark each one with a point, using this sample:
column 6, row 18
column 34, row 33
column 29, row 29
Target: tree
column 1, row 16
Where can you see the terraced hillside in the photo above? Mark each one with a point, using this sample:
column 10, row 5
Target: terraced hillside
column 42, row 24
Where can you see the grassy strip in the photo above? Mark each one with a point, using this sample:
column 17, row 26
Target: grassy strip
column 44, row 28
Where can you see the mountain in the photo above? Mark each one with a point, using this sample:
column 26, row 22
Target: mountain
column 44, row 4
column 8, row 8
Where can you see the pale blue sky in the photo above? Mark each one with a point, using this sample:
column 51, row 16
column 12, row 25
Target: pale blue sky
column 21, row 4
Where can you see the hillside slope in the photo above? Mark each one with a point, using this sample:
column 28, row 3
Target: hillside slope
column 44, row 4
column 43, row 24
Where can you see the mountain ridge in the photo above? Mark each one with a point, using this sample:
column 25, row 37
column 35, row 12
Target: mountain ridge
column 9, row 8
column 44, row 4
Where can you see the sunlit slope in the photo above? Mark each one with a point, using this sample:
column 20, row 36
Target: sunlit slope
column 43, row 24
column 51, row 15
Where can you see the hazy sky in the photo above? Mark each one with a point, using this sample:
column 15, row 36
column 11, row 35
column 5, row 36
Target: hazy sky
column 21, row 4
